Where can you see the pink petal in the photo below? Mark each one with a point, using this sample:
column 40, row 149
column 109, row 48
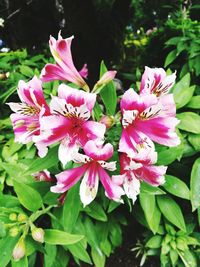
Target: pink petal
column 169, row 106
column 52, row 72
column 153, row 175
column 107, row 77
column 92, row 130
column 113, row 191
column 84, row 71
column 76, row 97
column 68, row 178
column 96, row 152
column 66, row 150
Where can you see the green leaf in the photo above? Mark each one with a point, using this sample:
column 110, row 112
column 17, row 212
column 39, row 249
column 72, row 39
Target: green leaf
column 188, row 258
column 112, row 206
column 72, row 203
column 27, row 196
column 154, row 242
column 176, row 187
column 57, row 237
column 171, row 211
column 195, row 185
column 152, row 190
column 7, row 245
column 50, row 255
column 22, row 262
column 169, row 155
column 173, row 257
column 147, row 202
column 170, row 58
column 183, row 95
column 194, row 140
column 96, row 211
column 189, row 122
column 91, row 235
column 80, row 252
column 108, row 93
column 98, row 259
column 194, row 102
column 26, row 71
column 47, row 162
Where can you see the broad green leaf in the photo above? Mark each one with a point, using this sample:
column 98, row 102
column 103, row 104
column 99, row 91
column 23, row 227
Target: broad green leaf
column 194, row 140
column 171, row 211
column 155, row 220
column 173, row 41
column 27, row 196
column 183, row 83
column 188, row 258
column 112, row 206
column 154, row 242
column 195, row 185
column 183, row 95
column 44, row 163
column 149, row 189
column 80, row 252
column 189, row 121
column 72, row 203
column 50, row 255
column 91, row 235
column 173, row 257
column 62, row 258
column 108, row 93
column 176, row 187
column 96, row 211
column 7, row 245
column 115, row 234
column 8, row 201
column 170, row 58
column 57, row 237
column 147, row 202
column 167, row 156
column 97, row 111
column 26, row 71
column 194, row 102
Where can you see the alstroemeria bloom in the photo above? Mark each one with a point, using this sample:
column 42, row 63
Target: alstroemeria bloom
column 64, row 68
column 144, row 118
column 25, row 120
column 69, row 123
column 139, row 168
column 156, row 81
column 92, row 169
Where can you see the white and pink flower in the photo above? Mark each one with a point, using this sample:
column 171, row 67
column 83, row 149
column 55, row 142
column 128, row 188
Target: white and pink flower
column 69, row 123
column 64, row 68
column 26, row 119
column 144, row 119
column 93, row 168
column 139, row 168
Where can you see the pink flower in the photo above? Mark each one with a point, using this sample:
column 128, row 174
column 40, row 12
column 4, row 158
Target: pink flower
column 144, row 118
column 106, row 78
column 69, row 123
column 64, row 68
column 25, row 120
column 137, row 168
column 43, row 176
column 92, row 169
column 155, row 81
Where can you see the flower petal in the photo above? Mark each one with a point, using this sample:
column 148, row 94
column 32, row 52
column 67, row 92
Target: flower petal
column 66, row 150
column 95, row 152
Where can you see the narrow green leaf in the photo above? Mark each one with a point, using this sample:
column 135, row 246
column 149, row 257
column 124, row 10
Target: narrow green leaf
column 170, row 58
column 195, row 185
column 50, row 255
column 171, row 211
column 21, row 263
column 27, row 196
column 80, row 252
column 147, row 202
column 44, row 163
column 189, row 122
column 72, row 203
column 183, row 95
column 154, row 242
column 108, row 93
column 98, row 259
column 176, row 187
column 96, row 211
column 152, row 190
column 57, row 237
column 194, row 140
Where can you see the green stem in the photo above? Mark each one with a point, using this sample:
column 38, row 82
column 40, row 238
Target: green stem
column 39, row 213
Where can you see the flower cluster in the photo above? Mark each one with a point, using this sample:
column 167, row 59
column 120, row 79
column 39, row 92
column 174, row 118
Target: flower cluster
column 68, row 121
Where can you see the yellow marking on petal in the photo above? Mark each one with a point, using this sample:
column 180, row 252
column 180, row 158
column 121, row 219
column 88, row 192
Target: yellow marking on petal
column 19, row 123
column 93, row 192
column 31, row 127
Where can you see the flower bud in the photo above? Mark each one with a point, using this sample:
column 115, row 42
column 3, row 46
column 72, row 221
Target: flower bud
column 108, row 121
column 13, row 217
column 22, row 217
column 43, row 176
column 38, row 234
column 19, row 250
column 14, row 231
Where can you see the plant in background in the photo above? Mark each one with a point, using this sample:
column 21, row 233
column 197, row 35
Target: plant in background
column 68, row 127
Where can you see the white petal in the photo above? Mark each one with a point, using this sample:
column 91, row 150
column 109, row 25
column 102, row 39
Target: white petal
column 66, row 151
column 152, row 112
column 132, row 188
column 111, row 166
column 88, row 194
column 80, row 158
column 128, row 117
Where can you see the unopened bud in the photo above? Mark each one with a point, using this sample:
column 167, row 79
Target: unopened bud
column 13, row 217
column 14, row 231
column 38, row 234
column 108, row 121
column 106, row 78
column 22, row 217
column 19, row 250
